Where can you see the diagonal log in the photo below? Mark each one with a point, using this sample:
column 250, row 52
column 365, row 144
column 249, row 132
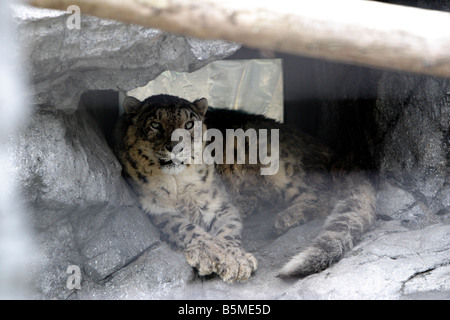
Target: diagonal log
column 352, row 31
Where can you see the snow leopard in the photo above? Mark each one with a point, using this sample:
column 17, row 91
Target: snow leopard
column 199, row 206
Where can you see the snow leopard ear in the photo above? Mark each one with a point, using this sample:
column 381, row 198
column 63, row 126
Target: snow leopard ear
column 201, row 105
column 131, row 105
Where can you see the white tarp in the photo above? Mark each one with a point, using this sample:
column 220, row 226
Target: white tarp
column 255, row 86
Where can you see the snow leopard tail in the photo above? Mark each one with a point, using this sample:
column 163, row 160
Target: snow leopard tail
column 353, row 215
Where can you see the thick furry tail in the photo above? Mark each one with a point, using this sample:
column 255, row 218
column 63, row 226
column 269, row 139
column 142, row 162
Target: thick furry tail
column 353, row 215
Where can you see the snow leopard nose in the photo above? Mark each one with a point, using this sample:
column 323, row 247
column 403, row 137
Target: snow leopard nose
column 169, row 147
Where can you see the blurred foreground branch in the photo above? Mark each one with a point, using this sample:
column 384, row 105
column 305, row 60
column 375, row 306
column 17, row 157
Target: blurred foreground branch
column 353, row 31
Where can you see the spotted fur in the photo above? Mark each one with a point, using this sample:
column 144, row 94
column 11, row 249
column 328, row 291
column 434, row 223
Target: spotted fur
column 199, row 208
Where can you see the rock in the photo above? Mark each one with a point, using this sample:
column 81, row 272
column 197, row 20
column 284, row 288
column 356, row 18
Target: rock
column 385, row 266
column 157, row 273
column 393, row 209
column 101, row 55
column 392, row 262
column 413, row 116
column 82, row 207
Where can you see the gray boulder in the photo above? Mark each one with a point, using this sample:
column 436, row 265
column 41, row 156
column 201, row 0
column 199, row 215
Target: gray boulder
column 103, row 54
column 392, row 262
column 413, row 118
column 81, row 207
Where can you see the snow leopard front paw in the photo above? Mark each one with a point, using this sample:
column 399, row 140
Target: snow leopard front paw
column 239, row 265
column 206, row 257
column 230, row 262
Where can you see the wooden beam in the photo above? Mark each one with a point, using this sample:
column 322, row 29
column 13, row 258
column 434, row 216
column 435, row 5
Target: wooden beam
column 352, row 31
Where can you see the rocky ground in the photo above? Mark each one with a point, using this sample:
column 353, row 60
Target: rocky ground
column 391, row 262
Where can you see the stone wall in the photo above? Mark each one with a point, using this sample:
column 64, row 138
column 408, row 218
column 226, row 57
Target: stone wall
column 413, row 153
column 402, row 137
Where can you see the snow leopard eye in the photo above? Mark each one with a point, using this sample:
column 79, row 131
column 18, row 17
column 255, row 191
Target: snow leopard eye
column 189, row 125
column 156, row 125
